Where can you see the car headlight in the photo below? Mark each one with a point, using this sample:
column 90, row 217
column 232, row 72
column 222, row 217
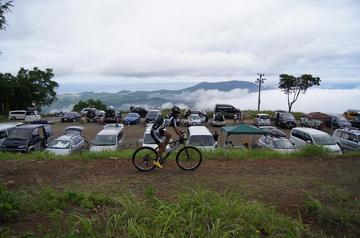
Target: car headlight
column 21, row 146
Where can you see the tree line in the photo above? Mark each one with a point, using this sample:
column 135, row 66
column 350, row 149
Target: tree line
column 28, row 88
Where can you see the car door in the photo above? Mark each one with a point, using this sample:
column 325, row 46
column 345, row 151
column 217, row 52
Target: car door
column 345, row 141
column 36, row 140
column 353, row 142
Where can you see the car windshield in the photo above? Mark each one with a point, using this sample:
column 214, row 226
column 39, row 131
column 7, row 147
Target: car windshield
column 59, row 144
column 341, row 118
column 194, row 117
column 323, row 139
column 219, row 118
column 19, row 133
column 152, row 114
column 202, row 140
column 105, row 140
column 283, row 144
column 287, row 116
column 264, row 117
column 148, row 139
column 132, row 115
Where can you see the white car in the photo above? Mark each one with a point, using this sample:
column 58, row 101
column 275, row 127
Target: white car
column 147, row 140
column 262, row 120
column 218, row 120
column 194, row 120
column 17, row 115
column 32, row 116
column 108, row 139
column 200, row 137
column 280, row 144
column 302, row 136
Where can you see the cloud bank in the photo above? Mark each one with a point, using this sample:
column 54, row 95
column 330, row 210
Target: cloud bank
column 205, row 38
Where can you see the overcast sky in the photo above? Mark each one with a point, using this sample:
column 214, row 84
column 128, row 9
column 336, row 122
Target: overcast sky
column 184, row 40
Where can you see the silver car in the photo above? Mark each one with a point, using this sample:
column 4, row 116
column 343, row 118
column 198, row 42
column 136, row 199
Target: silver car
column 72, row 141
column 347, row 138
column 280, row 144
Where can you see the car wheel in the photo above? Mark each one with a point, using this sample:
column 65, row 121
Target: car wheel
column 13, row 118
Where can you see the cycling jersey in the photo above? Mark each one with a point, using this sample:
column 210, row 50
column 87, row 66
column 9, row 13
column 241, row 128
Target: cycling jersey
column 158, row 129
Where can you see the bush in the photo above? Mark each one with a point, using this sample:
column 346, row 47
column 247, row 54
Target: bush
column 9, row 205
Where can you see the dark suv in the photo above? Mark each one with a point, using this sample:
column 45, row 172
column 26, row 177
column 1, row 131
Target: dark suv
column 152, row 115
column 27, row 138
column 139, row 110
column 285, row 120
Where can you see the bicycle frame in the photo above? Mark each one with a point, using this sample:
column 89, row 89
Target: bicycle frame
column 176, row 144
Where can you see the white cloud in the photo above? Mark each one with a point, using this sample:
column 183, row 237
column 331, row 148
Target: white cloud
column 207, row 38
column 322, row 100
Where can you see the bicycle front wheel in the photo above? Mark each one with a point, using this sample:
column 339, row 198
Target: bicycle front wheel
column 189, row 158
column 143, row 159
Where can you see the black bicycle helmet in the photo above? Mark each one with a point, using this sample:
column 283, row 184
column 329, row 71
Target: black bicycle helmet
column 175, row 109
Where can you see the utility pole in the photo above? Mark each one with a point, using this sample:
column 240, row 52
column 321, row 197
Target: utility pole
column 260, row 81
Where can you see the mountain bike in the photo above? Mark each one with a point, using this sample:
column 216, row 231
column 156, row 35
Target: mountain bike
column 187, row 158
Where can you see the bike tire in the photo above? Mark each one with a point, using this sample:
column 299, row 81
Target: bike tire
column 143, row 159
column 189, row 158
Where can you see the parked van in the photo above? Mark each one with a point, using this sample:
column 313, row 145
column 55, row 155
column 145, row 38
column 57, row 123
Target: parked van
column 32, row 116
column 348, row 139
column 227, row 110
column 109, row 138
column 200, row 137
column 17, row 115
column 302, row 136
column 27, row 138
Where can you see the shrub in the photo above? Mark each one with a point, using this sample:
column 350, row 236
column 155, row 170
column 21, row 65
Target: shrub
column 9, row 205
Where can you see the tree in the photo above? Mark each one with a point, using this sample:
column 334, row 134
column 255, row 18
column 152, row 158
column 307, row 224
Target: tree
column 292, row 86
column 27, row 88
column 4, row 8
column 89, row 103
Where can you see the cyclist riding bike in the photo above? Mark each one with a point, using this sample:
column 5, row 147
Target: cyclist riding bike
column 158, row 132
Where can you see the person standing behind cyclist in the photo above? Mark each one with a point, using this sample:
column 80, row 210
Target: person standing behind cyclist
column 158, row 132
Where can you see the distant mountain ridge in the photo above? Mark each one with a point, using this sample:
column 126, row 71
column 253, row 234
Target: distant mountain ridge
column 155, row 99
column 223, row 86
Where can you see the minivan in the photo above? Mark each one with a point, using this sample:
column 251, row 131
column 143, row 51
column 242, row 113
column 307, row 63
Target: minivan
column 227, row 110
column 302, row 136
column 27, row 138
column 17, row 115
column 347, row 138
column 200, row 137
column 109, row 138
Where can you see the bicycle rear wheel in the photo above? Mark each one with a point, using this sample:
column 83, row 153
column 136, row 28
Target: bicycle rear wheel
column 189, row 158
column 143, row 159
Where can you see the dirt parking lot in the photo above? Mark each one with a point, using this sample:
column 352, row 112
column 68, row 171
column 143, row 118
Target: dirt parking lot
column 133, row 133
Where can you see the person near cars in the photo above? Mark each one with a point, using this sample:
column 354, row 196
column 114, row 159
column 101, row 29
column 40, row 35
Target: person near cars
column 216, row 136
column 158, row 132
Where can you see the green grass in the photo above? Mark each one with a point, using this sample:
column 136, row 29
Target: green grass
column 255, row 154
column 335, row 214
column 198, row 213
